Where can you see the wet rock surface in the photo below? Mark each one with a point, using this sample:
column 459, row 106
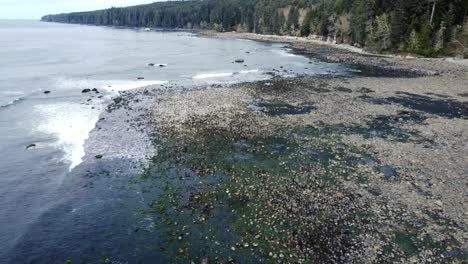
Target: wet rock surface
column 293, row 170
column 305, row 170
column 449, row 108
column 277, row 108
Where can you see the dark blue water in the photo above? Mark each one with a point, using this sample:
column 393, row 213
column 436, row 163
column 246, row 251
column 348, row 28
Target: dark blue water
column 54, row 206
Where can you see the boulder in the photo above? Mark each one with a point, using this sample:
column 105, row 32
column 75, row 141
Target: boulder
column 239, row 61
column 140, row 78
column 117, row 100
column 95, row 90
column 46, row 92
column 86, row 91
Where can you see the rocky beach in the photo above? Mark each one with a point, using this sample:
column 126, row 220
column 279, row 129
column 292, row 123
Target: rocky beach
column 366, row 168
column 234, row 131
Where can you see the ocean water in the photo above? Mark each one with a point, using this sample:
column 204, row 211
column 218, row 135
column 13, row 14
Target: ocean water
column 39, row 184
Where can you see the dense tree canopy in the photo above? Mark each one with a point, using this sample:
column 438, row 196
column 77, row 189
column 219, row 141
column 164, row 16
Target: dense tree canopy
column 423, row 26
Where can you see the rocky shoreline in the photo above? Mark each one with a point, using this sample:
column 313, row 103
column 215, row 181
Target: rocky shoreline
column 369, row 168
column 344, row 53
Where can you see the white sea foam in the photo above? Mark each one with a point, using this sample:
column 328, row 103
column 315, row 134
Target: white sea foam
column 118, row 86
column 109, row 85
column 213, row 75
column 246, row 40
column 71, row 124
column 11, row 102
column 249, row 71
column 4, row 102
column 284, row 53
column 222, row 74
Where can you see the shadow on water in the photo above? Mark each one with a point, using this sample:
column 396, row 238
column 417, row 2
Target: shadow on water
column 448, row 108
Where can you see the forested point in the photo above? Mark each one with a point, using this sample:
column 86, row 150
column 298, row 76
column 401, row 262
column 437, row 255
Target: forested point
column 426, row 27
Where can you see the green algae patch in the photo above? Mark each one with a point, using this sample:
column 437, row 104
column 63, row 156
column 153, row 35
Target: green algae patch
column 343, row 89
column 227, row 196
column 407, row 242
column 246, row 180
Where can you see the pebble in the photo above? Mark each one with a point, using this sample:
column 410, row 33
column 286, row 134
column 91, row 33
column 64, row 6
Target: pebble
column 340, row 195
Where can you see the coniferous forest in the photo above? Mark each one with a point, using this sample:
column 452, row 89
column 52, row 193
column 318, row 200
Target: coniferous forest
column 426, row 27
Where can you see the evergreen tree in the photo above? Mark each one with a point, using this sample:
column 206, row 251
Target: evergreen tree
column 364, row 21
column 359, row 21
column 293, row 19
column 380, row 33
column 305, row 28
column 397, row 24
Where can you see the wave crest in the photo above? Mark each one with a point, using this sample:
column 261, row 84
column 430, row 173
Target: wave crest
column 12, row 102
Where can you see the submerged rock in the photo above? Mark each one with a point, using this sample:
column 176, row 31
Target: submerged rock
column 151, row 64
column 239, row 61
column 99, row 156
column 388, row 171
column 30, row 146
column 117, row 100
column 46, row 92
column 140, row 78
column 86, row 91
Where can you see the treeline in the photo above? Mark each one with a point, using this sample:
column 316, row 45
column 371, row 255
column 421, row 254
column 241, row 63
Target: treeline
column 428, row 27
